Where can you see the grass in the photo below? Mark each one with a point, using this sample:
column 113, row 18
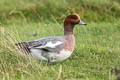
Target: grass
column 96, row 52
column 45, row 11
column 97, row 47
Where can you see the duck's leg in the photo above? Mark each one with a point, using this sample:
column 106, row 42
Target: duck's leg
column 50, row 63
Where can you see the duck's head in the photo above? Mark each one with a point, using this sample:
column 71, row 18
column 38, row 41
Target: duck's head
column 70, row 22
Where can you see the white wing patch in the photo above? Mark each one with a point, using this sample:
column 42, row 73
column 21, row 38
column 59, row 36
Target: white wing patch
column 50, row 44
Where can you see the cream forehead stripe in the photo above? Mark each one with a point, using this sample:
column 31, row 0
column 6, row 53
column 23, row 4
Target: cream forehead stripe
column 77, row 15
column 50, row 44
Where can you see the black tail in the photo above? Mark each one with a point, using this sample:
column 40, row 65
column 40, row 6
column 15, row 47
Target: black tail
column 23, row 47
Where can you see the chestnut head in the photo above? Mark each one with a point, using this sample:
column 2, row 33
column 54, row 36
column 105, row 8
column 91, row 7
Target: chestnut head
column 70, row 22
column 74, row 19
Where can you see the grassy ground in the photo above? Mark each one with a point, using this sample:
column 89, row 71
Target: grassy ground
column 97, row 47
column 34, row 10
column 96, row 52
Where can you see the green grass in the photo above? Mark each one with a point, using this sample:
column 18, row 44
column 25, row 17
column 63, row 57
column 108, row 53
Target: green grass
column 92, row 52
column 97, row 47
column 51, row 10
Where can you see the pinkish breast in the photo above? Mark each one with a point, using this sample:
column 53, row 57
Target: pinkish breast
column 69, row 42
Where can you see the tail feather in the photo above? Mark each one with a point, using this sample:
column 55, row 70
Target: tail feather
column 23, row 47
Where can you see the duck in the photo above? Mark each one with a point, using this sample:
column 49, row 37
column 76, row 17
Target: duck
column 54, row 48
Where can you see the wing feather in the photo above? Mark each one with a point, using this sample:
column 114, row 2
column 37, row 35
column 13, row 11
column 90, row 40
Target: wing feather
column 49, row 44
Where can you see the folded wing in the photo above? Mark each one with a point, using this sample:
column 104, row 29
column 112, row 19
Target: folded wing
column 49, row 44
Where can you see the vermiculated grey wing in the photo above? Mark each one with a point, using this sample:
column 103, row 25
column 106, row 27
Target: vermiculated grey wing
column 51, row 44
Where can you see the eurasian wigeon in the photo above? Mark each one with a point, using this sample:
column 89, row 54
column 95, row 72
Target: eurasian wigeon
column 54, row 48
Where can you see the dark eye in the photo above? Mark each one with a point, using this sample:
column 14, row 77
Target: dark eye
column 75, row 17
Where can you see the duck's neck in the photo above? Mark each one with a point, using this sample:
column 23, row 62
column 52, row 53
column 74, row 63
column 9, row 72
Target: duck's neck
column 69, row 42
column 68, row 29
column 69, row 37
